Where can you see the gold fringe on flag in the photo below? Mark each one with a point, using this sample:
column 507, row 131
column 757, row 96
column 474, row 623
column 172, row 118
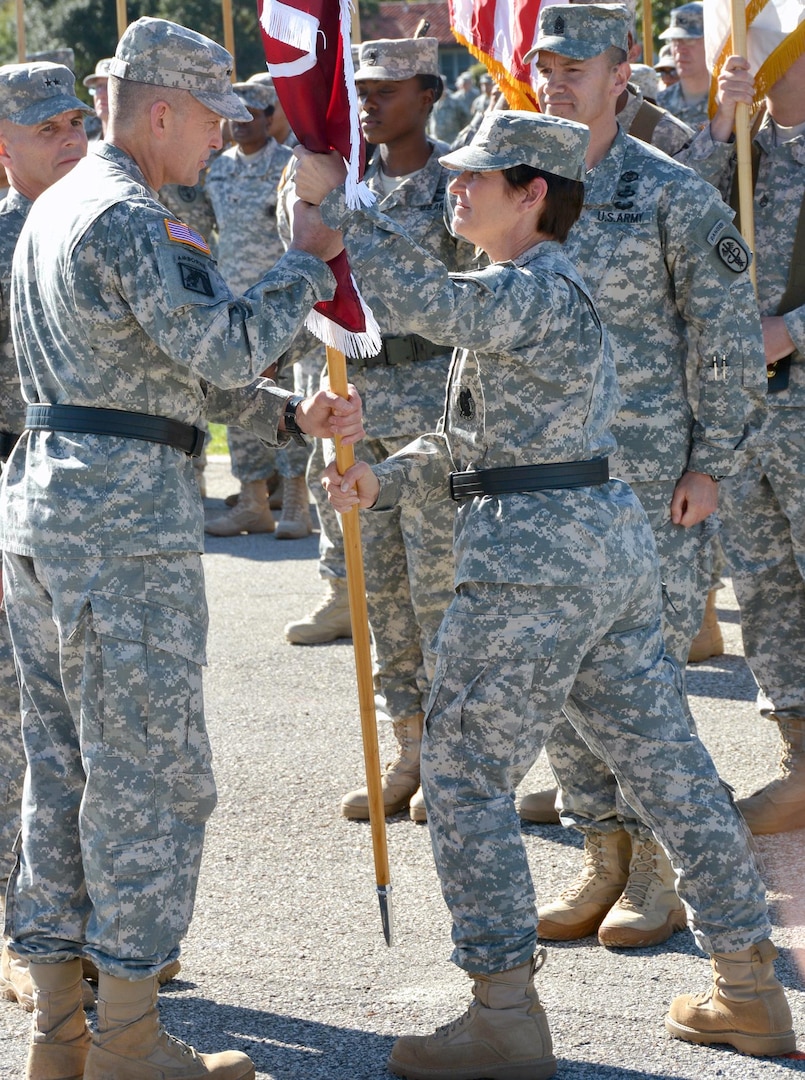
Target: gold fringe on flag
column 773, row 67
column 519, row 94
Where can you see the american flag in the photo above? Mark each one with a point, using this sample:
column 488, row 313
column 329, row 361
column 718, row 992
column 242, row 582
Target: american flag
column 499, row 33
column 183, row 234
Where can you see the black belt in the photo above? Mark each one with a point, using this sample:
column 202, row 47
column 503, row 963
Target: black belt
column 562, row 474
column 400, row 350
column 8, row 440
column 125, row 425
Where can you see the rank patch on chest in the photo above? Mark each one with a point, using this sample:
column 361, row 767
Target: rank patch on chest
column 195, row 279
column 183, row 234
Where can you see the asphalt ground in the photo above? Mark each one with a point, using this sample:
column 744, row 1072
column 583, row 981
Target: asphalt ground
column 285, row 958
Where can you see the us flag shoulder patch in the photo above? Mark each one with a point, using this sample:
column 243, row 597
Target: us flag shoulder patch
column 183, row 234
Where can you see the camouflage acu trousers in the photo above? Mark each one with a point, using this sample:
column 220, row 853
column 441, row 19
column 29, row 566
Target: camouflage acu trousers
column 589, row 792
column 119, row 782
column 12, row 755
column 509, row 659
column 762, row 509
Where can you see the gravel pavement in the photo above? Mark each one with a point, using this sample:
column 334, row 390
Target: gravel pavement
column 285, row 958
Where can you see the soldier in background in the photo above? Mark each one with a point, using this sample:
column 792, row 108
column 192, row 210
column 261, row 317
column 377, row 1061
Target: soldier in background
column 242, row 185
column 407, row 552
column 688, row 97
column 41, row 139
column 763, row 507
column 97, row 83
column 667, row 269
column 125, row 332
column 666, row 68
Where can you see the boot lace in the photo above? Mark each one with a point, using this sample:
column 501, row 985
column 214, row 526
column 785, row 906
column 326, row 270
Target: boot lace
column 643, row 875
column 177, row 1044
column 446, row 1030
column 594, row 866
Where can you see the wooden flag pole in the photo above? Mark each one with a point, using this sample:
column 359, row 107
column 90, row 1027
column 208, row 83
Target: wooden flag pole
column 743, row 140
column 21, row 50
column 356, row 585
column 122, row 17
column 229, row 33
column 648, row 34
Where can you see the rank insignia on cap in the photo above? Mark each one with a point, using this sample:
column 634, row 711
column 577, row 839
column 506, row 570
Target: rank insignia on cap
column 559, row 25
column 370, row 56
column 183, row 234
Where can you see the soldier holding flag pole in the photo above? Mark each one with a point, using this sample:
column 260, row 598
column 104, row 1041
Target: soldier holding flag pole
column 762, row 507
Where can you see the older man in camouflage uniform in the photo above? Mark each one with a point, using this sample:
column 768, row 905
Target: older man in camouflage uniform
column 42, row 137
column 124, row 329
column 667, row 268
column 242, row 187
column 763, row 506
column 688, row 97
column 557, row 602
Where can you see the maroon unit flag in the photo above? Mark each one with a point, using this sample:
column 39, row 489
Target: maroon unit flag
column 307, row 47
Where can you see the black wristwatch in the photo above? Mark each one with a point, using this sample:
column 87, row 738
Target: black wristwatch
column 289, row 419
column 716, row 477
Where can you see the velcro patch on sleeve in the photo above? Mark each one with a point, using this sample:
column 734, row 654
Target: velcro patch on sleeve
column 183, row 234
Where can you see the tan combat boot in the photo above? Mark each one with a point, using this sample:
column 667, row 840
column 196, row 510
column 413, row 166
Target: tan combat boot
column 130, row 1043
column 16, row 985
column 708, row 642
column 274, row 485
column 780, row 805
column 540, row 807
column 649, row 910
column 59, row 1035
column 746, row 1006
column 502, row 1036
column 329, row 621
column 251, row 515
column 295, row 522
column 417, row 811
column 401, row 778
column 582, row 906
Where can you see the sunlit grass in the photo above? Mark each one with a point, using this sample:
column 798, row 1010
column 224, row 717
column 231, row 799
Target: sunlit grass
column 217, row 443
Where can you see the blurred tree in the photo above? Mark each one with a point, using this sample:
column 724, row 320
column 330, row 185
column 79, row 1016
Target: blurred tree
column 90, row 27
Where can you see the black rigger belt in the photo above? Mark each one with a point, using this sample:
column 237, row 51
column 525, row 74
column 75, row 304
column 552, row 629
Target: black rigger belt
column 562, row 474
column 80, row 420
column 8, row 440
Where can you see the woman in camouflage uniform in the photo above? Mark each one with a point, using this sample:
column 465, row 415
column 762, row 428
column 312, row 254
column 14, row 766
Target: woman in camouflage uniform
column 557, row 602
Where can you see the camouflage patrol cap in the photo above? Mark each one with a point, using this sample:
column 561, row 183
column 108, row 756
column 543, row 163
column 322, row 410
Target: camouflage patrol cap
column 63, row 55
column 162, row 53
column 256, row 95
column 581, row 31
column 395, row 59
column 686, row 22
column 646, row 79
column 33, row 93
column 665, row 61
column 101, row 72
column 505, row 139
